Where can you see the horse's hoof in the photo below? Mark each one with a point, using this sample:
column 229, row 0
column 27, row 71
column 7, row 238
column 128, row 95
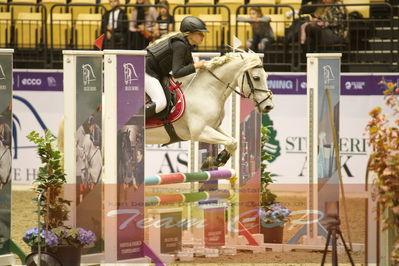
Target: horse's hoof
column 209, row 163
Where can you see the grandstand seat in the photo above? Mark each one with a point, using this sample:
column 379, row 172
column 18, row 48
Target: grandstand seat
column 244, row 30
column 265, row 10
column 178, row 19
column 197, row 11
column 232, row 4
column 29, row 29
column 77, row 10
column 173, row 4
column 5, row 28
column 60, row 29
column 50, row 3
column 364, row 10
column 87, row 29
column 214, row 38
column 278, row 25
column 15, row 10
column 3, row 8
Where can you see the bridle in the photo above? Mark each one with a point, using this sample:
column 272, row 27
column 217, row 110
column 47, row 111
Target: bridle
column 250, row 84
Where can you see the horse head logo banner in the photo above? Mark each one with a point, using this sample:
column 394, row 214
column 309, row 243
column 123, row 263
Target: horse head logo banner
column 328, row 74
column 129, row 73
column 88, row 74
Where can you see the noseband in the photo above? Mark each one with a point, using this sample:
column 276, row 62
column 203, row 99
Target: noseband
column 250, row 84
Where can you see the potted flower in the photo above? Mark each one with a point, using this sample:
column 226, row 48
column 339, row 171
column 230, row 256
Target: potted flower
column 272, row 214
column 63, row 241
column 383, row 131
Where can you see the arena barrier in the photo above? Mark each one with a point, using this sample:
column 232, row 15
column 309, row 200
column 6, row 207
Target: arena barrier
column 6, row 82
column 325, row 185
column 83, row 85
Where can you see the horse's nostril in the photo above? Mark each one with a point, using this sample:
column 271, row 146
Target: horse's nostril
column 268, row 108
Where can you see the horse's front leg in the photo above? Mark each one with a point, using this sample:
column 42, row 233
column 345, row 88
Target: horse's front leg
column 217, row 136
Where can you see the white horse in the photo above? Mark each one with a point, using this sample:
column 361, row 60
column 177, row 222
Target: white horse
column 206, row 93
column 5, row 164
column 93, row 161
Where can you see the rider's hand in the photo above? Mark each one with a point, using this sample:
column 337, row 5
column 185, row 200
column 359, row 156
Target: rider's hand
column 200, row 64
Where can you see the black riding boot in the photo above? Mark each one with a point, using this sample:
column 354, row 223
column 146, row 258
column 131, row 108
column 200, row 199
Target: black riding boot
column 149, row 110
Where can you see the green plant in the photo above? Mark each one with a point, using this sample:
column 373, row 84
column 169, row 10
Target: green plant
column 50, row 180
column 383, row 131
column 267, row 197
column 53, row 207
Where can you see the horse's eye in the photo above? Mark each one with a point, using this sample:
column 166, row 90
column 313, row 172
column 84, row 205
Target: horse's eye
column 256, row 78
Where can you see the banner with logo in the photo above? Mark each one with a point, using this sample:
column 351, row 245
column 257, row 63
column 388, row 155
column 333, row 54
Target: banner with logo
column 89, row 161
column 5, row 150
column 130, row 154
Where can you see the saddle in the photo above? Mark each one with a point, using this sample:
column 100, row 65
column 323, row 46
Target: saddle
column 176, row 105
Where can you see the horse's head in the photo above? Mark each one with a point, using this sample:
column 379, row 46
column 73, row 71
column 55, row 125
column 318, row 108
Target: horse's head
column 253, row 82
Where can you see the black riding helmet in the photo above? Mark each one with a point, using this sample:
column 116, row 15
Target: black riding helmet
column 192, row 24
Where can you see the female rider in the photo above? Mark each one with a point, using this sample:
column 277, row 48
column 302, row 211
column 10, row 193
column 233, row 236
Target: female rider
column 171, row 53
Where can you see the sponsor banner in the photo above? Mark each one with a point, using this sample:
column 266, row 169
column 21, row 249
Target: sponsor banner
column 351, row 84
column 287, row 84
column 38, row 80
column 130, row 152
column 5, row 150
column 366, row 84
column 89, row 161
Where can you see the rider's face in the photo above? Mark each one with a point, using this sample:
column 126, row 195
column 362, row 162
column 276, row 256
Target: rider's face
column 196, row 38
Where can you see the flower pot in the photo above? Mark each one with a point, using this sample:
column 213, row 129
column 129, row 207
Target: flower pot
column 67, row 255
column 272, row 233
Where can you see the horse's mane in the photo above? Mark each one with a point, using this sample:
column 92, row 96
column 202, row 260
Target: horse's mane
column 251, row 60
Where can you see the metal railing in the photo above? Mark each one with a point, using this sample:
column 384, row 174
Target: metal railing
column 372, row 41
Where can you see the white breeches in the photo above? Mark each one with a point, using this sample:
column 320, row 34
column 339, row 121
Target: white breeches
column 154, row 89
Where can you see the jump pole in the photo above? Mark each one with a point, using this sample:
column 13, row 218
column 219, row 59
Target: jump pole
column 6, row 69
column 123, row 113
column 83, row 85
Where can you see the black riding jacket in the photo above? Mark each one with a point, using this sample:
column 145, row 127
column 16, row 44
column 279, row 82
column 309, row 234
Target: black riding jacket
column 173, row 54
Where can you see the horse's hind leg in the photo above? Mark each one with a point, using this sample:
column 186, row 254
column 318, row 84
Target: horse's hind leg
column 217, row 136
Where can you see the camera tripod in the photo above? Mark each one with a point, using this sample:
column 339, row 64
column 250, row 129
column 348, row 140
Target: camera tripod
column 333, row 233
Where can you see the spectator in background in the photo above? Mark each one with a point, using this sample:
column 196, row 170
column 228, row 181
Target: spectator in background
column 142, row 25
column 328, row 26
column 114, row 26
column 164, row 21
column 262, row 32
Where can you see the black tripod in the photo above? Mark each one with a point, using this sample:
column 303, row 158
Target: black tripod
column 333, row 229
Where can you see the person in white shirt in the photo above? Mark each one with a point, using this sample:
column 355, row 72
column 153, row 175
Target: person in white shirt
column 114, row 26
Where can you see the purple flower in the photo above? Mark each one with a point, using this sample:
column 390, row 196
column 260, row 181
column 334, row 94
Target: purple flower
column 50, row 238
column 274, row 213
column 86, row 237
